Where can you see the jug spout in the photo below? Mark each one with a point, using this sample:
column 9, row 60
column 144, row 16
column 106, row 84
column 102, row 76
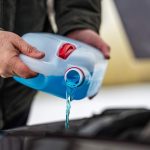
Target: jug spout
column 75, row 76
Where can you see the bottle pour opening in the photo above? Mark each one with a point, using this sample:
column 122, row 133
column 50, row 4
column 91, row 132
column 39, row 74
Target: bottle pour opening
column 74, row 77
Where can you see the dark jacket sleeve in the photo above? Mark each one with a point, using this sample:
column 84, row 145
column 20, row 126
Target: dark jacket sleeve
column 77, row 14
column 1, row 29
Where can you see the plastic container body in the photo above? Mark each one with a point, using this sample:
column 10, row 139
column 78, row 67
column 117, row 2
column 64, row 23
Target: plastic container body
column 64, row 58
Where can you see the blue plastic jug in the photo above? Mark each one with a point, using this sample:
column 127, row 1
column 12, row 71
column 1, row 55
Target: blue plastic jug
column 67, row 62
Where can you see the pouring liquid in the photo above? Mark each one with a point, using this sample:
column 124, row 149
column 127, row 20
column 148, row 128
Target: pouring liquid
column 71, row 84
column 74, row 78
column 69, row 98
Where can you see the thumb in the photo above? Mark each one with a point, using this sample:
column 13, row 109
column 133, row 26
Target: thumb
column 27, row 49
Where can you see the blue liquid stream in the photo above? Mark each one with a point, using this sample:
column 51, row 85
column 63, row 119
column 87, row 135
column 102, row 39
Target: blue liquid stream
column 69, row 98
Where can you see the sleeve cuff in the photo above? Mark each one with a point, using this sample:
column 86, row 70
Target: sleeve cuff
column 78, row 20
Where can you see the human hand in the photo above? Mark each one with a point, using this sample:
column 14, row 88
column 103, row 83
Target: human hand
column 92, row 38
column 11, row 45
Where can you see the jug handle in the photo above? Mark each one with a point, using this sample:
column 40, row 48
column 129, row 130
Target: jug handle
column 39, row 66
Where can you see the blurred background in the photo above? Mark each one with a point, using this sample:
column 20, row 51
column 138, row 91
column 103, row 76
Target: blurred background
column 126, row 27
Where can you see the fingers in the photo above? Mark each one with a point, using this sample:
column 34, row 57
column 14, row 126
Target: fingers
column 27, row 49
column 102, row 46
column 92, row 38
column 16, row 67
column 11, row 45
column 20, row 69
column 91, row 97
column 105, row 49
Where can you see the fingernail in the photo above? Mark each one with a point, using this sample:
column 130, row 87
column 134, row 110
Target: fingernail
column 42, row 54
column 107, row 56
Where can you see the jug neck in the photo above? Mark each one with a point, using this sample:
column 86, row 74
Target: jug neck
column 75, row 76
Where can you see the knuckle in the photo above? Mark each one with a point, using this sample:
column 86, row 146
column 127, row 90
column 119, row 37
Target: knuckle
column 14, row 36
column 2, row 71
column 19, row 43
column 10, row 36
column 109, row 48
column 105, row 47
column 29, row 49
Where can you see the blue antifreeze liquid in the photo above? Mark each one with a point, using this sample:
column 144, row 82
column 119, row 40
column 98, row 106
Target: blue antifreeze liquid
column 50, row 84
column 69, row 98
